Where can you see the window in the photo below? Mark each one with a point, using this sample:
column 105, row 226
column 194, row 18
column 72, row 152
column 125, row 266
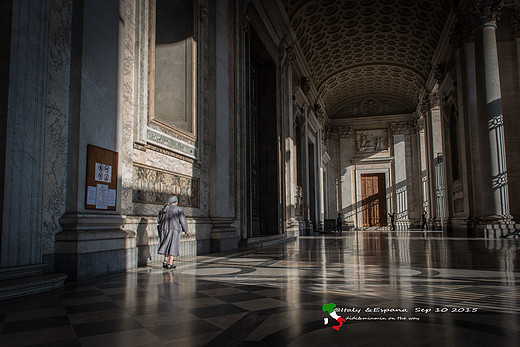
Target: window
column 172, row 52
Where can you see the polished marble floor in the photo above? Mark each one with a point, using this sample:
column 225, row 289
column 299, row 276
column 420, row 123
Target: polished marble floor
column 390, row 288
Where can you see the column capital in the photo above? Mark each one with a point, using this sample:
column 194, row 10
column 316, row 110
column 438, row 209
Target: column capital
column 291, row 53
column 439, row 72
column 305, row 84
column 435, row 100
column 320, row 115
column 425, row 106
column 462, row 31
column 515, row 22
column 421, row 123
column 485, row 12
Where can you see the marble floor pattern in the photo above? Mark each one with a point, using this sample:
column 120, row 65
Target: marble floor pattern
column 392, row 289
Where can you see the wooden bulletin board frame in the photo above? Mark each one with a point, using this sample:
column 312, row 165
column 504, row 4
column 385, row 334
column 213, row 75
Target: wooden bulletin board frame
column 101, row 187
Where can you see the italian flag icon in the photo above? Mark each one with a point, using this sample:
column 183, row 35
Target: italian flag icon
column 330, row 309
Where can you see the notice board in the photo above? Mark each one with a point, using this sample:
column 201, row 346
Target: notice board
column 101, row 192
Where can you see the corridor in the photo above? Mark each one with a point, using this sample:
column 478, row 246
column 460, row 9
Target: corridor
column 391, row 288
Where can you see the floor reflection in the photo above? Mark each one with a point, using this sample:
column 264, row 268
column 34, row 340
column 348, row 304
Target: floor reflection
column 392, row 288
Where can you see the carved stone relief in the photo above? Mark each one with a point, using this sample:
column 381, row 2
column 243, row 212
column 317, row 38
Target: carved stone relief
column 371, row 107
column 155, row 186
column 369, row 141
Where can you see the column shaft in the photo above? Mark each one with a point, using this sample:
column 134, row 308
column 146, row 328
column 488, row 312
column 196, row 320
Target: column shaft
column 490, row 127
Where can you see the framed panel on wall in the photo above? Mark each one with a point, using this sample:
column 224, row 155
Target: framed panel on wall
column 172, row 78
column 101, row 187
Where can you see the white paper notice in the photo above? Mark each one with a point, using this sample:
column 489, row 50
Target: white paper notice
column 103, row 173
column 91, row 195
column 102, row 197
column 111, row 197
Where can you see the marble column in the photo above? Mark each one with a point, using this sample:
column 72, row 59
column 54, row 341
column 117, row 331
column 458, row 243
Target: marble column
column 346, row 179
column 495, row 209
column 290, row 160
column 438, row 169
column 429, row 160
column 401, row 183
column 423, row 165
column 24, row 150
column 407, row 176
column 306, row 178
column 471, row 95
column 224, row 235
column 92, row 242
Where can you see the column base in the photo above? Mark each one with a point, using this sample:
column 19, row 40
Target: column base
column 91, row 246
column 292, row 226
column 402, row 224
column 309, row 228
column 495, row 231
column 495, row 226
column 223, row 236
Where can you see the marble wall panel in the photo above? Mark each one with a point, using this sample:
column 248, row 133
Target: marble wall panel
column 57, row 121
column 135, row 146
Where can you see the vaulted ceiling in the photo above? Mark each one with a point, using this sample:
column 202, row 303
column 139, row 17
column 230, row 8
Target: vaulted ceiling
column 368, row 57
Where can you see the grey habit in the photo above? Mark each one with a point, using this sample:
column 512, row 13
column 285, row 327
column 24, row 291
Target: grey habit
column 175, row 223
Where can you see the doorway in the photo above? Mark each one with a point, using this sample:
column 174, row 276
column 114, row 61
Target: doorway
column 263, row 141
column 373, row 200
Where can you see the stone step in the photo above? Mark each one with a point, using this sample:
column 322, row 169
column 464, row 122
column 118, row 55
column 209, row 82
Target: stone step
column 16, row 287
column 265, row 241
column 21, row 271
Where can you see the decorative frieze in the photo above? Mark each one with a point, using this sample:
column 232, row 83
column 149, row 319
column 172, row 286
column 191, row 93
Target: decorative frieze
column 403, row 128
column 370, row 107
column 389, row 106
column 344, row 131
column 172, row 143
column 154, row 186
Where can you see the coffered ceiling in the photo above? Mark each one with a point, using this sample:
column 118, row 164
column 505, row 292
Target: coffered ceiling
column 368, row 57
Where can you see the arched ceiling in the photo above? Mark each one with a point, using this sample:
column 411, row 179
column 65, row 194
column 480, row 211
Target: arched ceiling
column 368, row 51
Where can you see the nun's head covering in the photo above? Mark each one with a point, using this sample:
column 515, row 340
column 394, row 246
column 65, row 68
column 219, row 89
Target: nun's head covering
column 173, row 199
